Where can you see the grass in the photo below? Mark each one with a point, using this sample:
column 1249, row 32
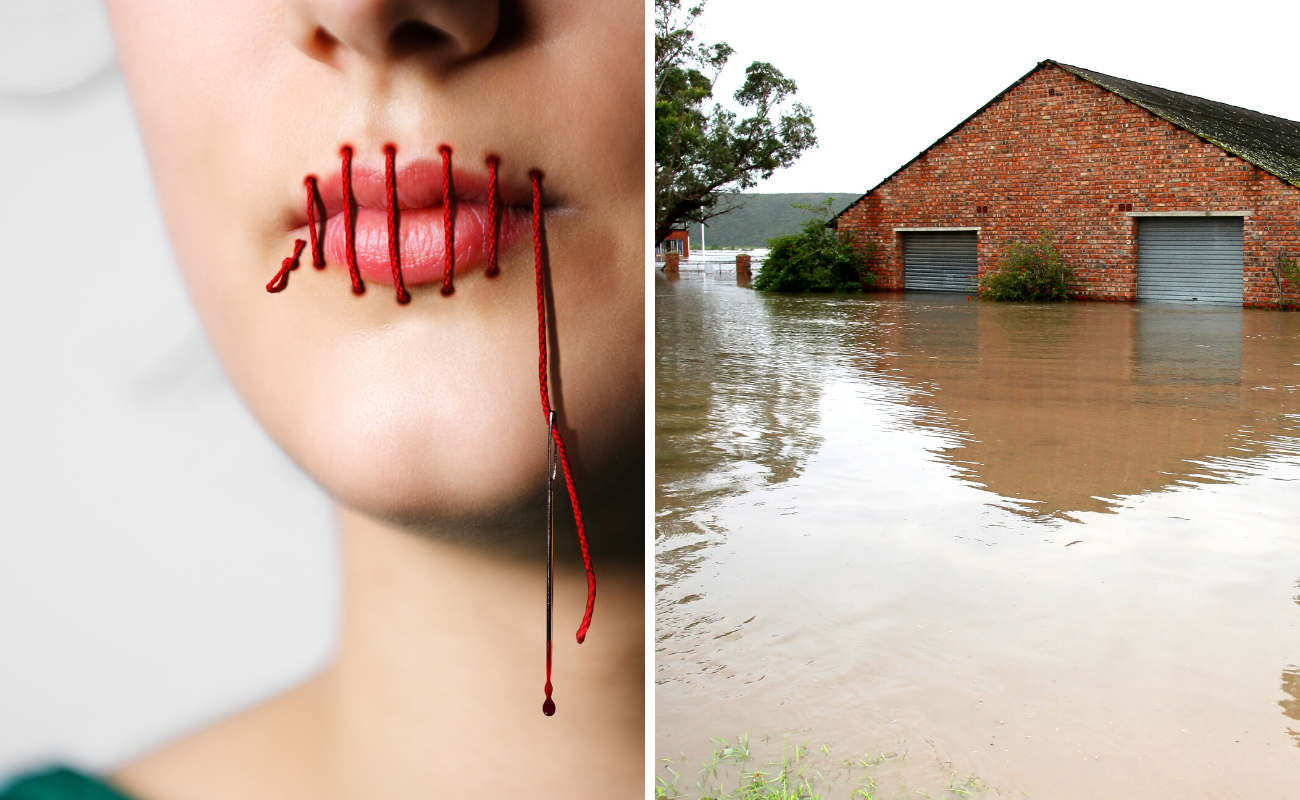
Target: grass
column 800, row 772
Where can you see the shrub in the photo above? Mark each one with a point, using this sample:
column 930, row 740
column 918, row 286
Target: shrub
column 817, row 259
column 1286, row 272
column 1028, row 272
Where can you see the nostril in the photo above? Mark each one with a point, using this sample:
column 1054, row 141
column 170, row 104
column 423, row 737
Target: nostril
column 416, row 36
column 324, row 39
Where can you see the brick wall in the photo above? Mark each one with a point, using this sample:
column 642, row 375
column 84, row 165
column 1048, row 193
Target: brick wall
column 1060, row 153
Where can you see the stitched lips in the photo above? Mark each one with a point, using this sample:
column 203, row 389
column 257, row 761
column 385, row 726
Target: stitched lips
column 421, row 239
column 345, row 200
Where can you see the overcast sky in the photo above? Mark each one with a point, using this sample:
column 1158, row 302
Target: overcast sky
column 885, row 80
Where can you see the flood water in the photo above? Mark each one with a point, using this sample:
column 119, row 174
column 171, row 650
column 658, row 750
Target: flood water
column 1053, row 546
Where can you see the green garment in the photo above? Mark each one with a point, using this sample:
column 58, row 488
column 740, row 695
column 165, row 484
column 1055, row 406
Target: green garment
column 58, row 784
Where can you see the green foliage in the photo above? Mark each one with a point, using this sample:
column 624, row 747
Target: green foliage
column 1029, row 272
column 702, row 153
column 1286, row 272
column 817, row 259
column 799, row 772
column 756, row 217
column 786, row 779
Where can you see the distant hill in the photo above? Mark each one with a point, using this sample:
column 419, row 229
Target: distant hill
column 759, row 217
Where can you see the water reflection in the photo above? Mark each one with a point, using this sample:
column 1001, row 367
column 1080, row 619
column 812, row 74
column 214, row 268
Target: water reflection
column 1291, row 706
column 741, row 406
column 1054, row 408
column 922, row 522
column 1062, row 408
column 1291, row 687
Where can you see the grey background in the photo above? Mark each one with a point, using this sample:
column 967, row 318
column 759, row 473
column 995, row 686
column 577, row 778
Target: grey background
column 161, row 562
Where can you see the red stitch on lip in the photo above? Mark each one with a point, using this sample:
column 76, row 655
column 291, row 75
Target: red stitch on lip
column 281, row 279
column 349, row 224
column 492, row 163
column 448, row 232
column 546, row 405
column 390, row 183
column 317, row 255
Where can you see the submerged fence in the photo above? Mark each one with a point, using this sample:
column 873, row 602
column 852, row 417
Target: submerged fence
column 719, row 260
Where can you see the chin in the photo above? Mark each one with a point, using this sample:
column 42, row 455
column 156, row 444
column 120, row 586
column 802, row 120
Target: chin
column 410, row 477
column 424, row 458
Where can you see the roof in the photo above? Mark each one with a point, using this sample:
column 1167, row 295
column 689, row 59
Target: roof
column 1270, row 143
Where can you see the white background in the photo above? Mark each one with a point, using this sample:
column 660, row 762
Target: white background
column 885, row 80
column 161, row 563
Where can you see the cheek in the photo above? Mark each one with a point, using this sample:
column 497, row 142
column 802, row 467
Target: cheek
column 419, row 418
column 208, row 83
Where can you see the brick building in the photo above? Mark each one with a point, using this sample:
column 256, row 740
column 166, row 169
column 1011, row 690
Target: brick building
column 1151, row 194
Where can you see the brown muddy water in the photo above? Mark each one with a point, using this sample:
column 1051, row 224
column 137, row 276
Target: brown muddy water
column 1053, row 546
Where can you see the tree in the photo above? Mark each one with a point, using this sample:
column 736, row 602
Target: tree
column 701, row 154
column 817, row 259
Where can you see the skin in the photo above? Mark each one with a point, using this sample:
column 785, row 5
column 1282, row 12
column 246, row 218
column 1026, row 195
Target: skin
column 423, row 421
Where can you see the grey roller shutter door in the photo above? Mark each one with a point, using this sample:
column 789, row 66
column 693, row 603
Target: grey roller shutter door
column 940, row 262
column 1190, row 260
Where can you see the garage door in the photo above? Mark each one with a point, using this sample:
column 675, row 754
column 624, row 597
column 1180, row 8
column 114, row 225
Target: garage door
column 939, row 262
column 1190, row 260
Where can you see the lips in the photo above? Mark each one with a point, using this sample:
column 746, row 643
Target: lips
column 421, row 240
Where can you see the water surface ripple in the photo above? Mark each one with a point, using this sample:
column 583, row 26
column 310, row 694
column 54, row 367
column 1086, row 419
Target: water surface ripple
column 1054, row 546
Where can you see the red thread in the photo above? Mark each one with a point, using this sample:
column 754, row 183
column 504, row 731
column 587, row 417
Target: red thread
column 546, row 405
column 317, row 255
column 281, row 279
column 349, row 224
column 390, row 183
column 449, row 238
column 492, row 216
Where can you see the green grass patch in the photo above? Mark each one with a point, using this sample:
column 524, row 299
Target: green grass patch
column 798, row 772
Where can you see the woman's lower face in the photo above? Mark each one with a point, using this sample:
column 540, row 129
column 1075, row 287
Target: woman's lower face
column 425, row 413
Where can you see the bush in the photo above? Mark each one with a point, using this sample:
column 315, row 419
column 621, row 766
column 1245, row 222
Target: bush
column 817, row 259
column 1286, row 272
column 1028, row 272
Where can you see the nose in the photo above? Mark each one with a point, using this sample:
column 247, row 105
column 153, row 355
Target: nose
column 442, row 32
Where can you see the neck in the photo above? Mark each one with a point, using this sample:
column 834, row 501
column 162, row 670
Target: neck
column 437, row 688
column 441, row 665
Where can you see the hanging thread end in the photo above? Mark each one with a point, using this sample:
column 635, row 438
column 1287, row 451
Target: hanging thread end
column 591, row 591
column 281, row 279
